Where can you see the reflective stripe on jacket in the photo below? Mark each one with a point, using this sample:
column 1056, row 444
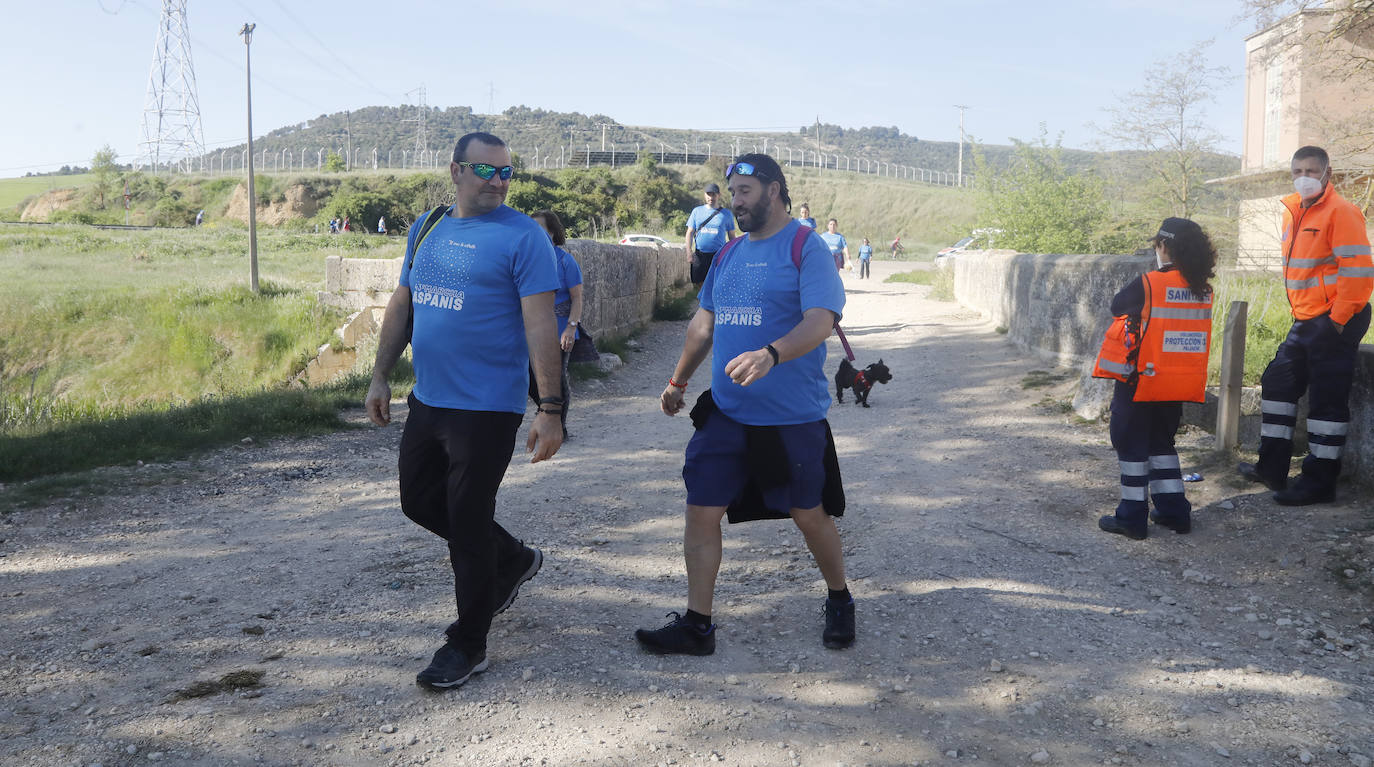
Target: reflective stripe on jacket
column 1326, row 257
column 1116, row 358
column 1175, row 340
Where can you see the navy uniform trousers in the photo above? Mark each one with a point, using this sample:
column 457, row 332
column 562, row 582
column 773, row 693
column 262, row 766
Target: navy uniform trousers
column 1316, row 360
column 1143, row 435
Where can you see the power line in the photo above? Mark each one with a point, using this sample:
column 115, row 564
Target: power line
column 344, row 62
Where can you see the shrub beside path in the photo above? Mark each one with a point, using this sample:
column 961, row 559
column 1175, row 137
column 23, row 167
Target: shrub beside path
column 270, row 605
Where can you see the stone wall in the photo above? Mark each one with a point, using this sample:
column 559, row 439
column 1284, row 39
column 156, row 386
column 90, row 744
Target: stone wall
column 620, row 283
column 1056, row 307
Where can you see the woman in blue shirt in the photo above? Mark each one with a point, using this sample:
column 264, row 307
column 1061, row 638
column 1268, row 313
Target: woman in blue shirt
column 865, row 255
column 567, row 302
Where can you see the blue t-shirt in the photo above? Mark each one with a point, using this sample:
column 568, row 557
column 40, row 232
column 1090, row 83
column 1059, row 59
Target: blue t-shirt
column 836, row 244
column 865, row 252
column 469, row 339
column 758, row 296
column 569, row 275
column 711, row 235
column 809, row 221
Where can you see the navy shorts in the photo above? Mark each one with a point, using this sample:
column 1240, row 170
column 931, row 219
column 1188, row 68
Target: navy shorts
column 716, row 471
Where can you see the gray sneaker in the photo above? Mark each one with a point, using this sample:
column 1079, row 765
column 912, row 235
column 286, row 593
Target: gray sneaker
column 508, row 583
column 450, row 668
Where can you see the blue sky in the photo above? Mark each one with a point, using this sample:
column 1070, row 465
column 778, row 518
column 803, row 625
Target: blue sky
column 78, row 69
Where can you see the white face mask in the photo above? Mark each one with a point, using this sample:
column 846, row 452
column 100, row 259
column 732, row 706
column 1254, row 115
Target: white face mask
column 1308, row 186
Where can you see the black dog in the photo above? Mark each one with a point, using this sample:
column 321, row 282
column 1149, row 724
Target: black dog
column 860, row 381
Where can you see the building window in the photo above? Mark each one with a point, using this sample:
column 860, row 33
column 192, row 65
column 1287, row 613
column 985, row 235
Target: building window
column 1273, row 111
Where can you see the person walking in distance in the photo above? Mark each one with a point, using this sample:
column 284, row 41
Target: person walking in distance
column 762, row 448
column 709, row 227
column 567, row 305
column 381, row 225
column 1157, row 352
column 804, row 216
column 839, row 249
column 1329, row 277
column 480, row 289
column 865, row 256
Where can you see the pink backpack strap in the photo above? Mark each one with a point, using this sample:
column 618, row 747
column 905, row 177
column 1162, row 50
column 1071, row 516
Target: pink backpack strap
column 798, row 241
column 720, row 254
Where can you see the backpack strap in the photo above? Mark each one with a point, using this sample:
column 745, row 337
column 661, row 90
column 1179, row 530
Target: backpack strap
column 798, row 242
column 431, row 219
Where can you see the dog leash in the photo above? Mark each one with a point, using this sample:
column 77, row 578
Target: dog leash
column 848, row 352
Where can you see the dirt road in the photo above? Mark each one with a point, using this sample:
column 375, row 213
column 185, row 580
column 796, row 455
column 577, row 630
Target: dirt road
column 269, row 604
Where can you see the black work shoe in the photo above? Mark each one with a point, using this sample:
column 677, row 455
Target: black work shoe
column 839, row 624
column 1111, row 524
column 1177, row 524
column 450, row 668
column 1251, row 472
column 508, row 584
column 678, row 638
column 1304, row 495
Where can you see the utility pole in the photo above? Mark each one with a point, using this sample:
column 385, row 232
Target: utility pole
column 604, row 126
column 348, row 136
column 491, row 97
column 247, row 33
column 961, row 109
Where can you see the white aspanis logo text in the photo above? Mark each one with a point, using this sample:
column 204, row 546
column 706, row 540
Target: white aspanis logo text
column 438, row 297
column 739, row 315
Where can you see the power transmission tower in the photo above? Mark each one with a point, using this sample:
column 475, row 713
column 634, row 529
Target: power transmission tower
column 421, row 127
column 171, row 113
column 961, row 108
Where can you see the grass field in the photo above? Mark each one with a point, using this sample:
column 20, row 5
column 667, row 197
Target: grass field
column 15, row 190
column 1267, row 319
column 104, row 333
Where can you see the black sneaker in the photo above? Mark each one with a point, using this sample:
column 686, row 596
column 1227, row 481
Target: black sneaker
column 1251, row 472
column 839, row 624
column 1110, row 524
column 1304, row 494
column 678, row 638
column 1179, row 525
column 508, row 584
column 450, row 668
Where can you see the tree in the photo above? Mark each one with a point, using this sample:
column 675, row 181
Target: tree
column 1037, row 205
column 1167, row 119
column 104, row 169
column 333, row 162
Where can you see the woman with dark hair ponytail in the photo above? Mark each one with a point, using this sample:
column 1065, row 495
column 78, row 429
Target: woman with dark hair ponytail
column 1157, row 349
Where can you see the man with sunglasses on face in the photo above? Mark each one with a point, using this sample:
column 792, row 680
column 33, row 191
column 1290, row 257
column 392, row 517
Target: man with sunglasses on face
column 762, row 447
column 480, row 289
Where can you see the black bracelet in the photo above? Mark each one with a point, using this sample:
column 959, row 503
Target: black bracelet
column 773, row 352
column 548, row 412
column 551, row 401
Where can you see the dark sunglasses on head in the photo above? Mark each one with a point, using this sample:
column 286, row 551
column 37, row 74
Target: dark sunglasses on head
column 485, row 171
column 744, row 169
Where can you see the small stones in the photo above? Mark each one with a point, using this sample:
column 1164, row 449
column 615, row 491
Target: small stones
column 994, row 667
column 1040, row 757
column 387, row 728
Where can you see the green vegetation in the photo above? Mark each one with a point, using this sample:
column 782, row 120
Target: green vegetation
column 1267, row 319
column 915, row 277
column 941, row 281
column 118, row 346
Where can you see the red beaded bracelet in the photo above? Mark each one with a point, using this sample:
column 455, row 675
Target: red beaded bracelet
column 673, row 383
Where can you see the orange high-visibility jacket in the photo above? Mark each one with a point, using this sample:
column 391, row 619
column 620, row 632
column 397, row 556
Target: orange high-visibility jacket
column 1167, row 356
column 1326, row 261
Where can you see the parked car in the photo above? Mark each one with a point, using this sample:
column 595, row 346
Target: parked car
column 981, row 239
column 643, row 239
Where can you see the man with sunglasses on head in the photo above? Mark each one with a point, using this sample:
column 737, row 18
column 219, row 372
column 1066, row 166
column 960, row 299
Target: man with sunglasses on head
column 480, row 288
column 709, row 227
column 762, row 447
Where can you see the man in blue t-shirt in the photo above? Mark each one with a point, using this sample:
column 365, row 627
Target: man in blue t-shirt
column 865, row 255
column 480, row 290
column 709, row 227
column 839, row 249
column 762, row 440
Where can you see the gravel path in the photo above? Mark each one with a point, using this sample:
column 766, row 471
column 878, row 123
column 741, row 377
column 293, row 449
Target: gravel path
column 269, row 604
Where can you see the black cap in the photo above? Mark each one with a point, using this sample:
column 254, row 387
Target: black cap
column 1173, row 227
column 713, row 188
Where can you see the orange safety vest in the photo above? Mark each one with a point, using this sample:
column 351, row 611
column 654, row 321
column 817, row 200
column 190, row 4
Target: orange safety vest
column 1166, row 354
column 1326, row 257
